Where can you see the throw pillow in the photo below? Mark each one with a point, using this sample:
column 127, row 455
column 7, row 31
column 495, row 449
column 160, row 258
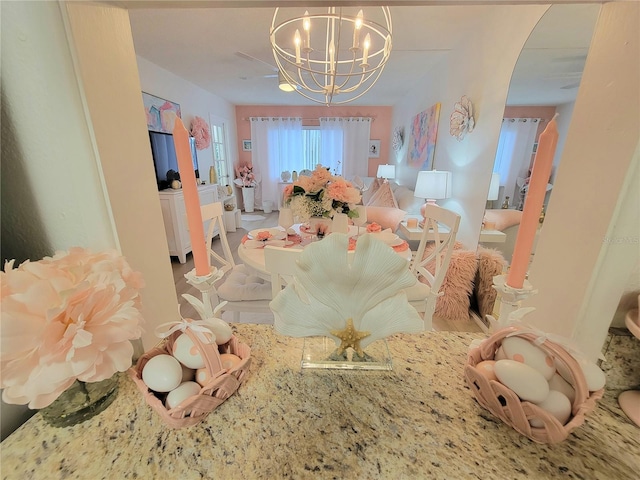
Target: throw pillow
column 458, row 283
column 383, row 197
column 370, row 192
column 407, row 201
column 490, row 263
column 386, row 217
column 503, row 218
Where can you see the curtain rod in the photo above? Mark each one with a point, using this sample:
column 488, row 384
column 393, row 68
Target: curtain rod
column 314, row 119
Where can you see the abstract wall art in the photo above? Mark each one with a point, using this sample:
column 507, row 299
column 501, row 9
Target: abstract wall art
column 422, row 138
column 161, row 114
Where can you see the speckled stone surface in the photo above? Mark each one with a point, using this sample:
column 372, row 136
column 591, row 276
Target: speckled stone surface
column 418, row 421
column 622, row 360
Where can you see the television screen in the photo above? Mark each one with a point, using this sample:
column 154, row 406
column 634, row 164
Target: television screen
column 163, row 151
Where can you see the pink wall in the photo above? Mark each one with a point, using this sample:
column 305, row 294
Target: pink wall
column 380, row 127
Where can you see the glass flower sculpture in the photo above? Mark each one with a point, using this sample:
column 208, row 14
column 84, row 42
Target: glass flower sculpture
column 354, row 298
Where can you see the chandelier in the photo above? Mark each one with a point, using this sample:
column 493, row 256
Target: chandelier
column 334, row 56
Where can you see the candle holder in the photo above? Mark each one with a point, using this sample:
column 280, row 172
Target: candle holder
column 205, row 284
column 510, row 300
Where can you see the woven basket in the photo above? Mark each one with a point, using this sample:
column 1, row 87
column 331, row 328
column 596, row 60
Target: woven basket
column 505, row 404
column 222, row 384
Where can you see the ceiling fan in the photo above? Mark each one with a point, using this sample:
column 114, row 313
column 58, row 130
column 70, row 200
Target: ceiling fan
column 250, row 58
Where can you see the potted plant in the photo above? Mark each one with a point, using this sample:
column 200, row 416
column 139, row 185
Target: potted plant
column 246, row 179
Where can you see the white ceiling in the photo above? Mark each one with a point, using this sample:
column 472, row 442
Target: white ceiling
column 201, row 46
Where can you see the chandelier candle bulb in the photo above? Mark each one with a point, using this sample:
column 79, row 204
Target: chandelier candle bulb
column 356, row 31
column 365, row 53
column 296, row 40
column 533, row 205
column 306, row 24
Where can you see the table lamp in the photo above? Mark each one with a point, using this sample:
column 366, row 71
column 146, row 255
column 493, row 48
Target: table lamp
column 494, row 188
column 386, row 171
column 432, row 185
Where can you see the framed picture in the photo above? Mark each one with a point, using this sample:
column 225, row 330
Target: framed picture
column 246, row 145
column 374, row 148
column 422, row 140
column 161, row 114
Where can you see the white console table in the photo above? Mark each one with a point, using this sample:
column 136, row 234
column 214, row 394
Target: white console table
column 175, row 218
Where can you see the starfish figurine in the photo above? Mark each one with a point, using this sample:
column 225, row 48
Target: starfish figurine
column 350, row 337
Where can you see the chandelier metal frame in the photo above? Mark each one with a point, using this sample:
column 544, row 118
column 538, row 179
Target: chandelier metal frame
column 325, row 73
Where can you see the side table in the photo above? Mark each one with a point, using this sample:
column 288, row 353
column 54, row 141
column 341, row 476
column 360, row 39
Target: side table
column 232, row 220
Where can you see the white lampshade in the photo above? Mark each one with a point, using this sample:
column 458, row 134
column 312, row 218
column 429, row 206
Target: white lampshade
column 494, row 187
column 386, row 171
column 433, row 185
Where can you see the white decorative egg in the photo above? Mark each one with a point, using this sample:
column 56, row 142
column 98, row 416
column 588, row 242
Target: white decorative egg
column 523, row 380
column 523, row 351
column 220, row 329
column 557, row 404
column 487, row 369
column 594, row 377
column 162, row 373
column 181, row 393
column 561, row 385
column 187, row 352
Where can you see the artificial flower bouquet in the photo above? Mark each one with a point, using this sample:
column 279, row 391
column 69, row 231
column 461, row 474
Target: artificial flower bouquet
column 245, row 176
column 65, row 318
column 321, row 195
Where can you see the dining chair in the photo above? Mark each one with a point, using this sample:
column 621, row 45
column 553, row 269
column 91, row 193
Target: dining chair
column 431, row 260
column 241, row 287
column 280, row 262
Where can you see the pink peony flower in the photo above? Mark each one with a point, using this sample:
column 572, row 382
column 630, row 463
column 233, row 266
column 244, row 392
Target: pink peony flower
column 343, row 191
column 263, row 236
column 66, row 317
column 287, row 191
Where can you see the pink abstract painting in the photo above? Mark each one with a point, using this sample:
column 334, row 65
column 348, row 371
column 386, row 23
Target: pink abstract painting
column 422, row 140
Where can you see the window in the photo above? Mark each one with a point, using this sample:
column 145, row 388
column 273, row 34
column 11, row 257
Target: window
column 310, row 148
column 318, row 146
column 220, row 150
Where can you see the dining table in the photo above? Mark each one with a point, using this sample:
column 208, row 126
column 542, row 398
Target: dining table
column 252, row 253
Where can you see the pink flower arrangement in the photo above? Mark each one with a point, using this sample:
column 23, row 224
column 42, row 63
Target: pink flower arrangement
column 321, row 195
column 65, row 318
column 200, row 131
column 245, row 176
column 264, row 236
column 374, row 228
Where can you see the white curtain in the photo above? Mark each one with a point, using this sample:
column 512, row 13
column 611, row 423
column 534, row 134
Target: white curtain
column 345, row 145
column 514, row 155
column 276, row 146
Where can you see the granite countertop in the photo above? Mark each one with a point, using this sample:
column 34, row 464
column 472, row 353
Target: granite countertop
column 417, row 421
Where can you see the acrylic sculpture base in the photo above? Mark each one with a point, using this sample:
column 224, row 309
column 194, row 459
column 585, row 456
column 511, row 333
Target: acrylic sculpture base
column 320, row 352
column 80, row 402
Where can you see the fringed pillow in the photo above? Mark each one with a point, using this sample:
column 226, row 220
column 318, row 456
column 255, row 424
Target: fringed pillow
column 458, row 283
column 490, row 263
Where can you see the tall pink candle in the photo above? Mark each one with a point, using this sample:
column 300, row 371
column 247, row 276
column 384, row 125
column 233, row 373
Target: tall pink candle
column 191, row 199
column 533, row 205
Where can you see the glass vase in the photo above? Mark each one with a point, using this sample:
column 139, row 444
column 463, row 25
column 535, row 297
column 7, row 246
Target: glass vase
column 80, row 402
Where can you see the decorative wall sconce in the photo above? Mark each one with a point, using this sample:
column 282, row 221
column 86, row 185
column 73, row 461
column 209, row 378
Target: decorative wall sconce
column 398, row 139
column 462, row 121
